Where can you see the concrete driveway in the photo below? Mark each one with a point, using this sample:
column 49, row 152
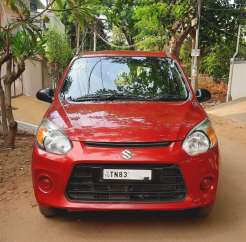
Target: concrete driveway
column 20, row 220
column 29, row 109
column 235, row 110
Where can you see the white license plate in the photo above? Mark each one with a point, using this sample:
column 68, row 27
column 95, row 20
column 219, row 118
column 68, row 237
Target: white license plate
column 126, row 174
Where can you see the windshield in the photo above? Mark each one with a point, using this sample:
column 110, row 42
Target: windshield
column 111, row 78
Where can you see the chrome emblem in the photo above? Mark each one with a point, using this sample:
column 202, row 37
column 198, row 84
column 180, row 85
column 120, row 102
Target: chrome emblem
column 126, row 154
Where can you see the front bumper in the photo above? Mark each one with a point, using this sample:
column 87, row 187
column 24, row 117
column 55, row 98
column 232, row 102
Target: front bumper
column 59, row 168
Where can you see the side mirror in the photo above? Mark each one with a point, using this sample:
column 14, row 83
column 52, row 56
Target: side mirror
column 203, row 95
column 45, row 95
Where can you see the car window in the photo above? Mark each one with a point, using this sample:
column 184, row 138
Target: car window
column 139, row 77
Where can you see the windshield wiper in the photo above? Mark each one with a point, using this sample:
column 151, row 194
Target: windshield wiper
column 110, row 97
column 169, row 98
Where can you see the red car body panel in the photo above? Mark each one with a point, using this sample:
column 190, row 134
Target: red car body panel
column 113, row 122
column 129, row 121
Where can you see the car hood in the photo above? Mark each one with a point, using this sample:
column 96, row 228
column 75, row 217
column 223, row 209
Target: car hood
column 127, row 121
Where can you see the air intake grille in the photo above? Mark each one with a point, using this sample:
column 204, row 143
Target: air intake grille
column 128, row 144
column 86, row 184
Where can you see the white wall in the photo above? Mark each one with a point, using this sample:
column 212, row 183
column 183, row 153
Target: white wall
column 55, row 22
column 17, row 86
column 238, row 88
column 32, row 77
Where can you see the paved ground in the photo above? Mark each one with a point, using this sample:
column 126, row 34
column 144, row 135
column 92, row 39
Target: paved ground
column 29, row 109
column 235, row 110
column 20, row 220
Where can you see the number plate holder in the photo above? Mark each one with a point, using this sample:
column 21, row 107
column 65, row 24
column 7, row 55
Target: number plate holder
column 127, row 174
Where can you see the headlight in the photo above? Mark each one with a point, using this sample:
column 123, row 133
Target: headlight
column 200, row 139
column 51, row 139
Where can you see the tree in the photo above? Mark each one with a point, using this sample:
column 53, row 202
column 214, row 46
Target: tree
column 79, row 17
column 20, row 40
column 165, row 24
column 58, row 53
column 121, row 14
column 219, row 26
column 149, row 24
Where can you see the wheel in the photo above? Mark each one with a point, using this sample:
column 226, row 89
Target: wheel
column 202, row 212
column 47, row 211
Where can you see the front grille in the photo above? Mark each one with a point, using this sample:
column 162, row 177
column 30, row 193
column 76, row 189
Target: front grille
column 128, row 144
column 86, row 184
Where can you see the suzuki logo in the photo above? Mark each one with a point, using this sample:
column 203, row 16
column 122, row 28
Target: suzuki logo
column 126, row 154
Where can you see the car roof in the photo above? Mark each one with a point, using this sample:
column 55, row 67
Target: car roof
column 123, row 53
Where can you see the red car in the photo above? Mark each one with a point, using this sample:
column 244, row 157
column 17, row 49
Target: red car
column 125, row 132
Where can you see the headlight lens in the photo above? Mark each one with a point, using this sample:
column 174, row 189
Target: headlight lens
column 200, row 139
column 51, row 139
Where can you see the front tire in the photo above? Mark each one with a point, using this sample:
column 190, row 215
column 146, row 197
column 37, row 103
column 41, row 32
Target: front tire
column 48, row 212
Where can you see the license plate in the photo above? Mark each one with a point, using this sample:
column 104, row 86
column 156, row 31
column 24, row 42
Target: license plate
column 126, row 174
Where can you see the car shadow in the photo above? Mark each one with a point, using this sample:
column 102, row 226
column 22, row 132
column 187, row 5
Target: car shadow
column 220, row 219
column 126, row 216
column 227, row 216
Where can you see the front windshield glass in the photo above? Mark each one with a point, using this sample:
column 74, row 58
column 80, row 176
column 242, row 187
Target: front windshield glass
column 143, row 78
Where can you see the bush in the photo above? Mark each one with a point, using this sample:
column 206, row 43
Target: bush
column 216, row 63
column 58, row 52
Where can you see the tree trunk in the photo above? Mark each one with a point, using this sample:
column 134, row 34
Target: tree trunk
column 10, row 141
column 78, row 38
column 10, row 77
column 177, row 41
column 4, row 124
column 3, row 113
column 58, row 74
column 174, row 46
column 129, row 39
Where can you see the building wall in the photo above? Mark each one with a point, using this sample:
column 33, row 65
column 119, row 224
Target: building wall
column 54, row 22
column 32, row 77
column 35, row 75
column 238, row 87
column 6, row 14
